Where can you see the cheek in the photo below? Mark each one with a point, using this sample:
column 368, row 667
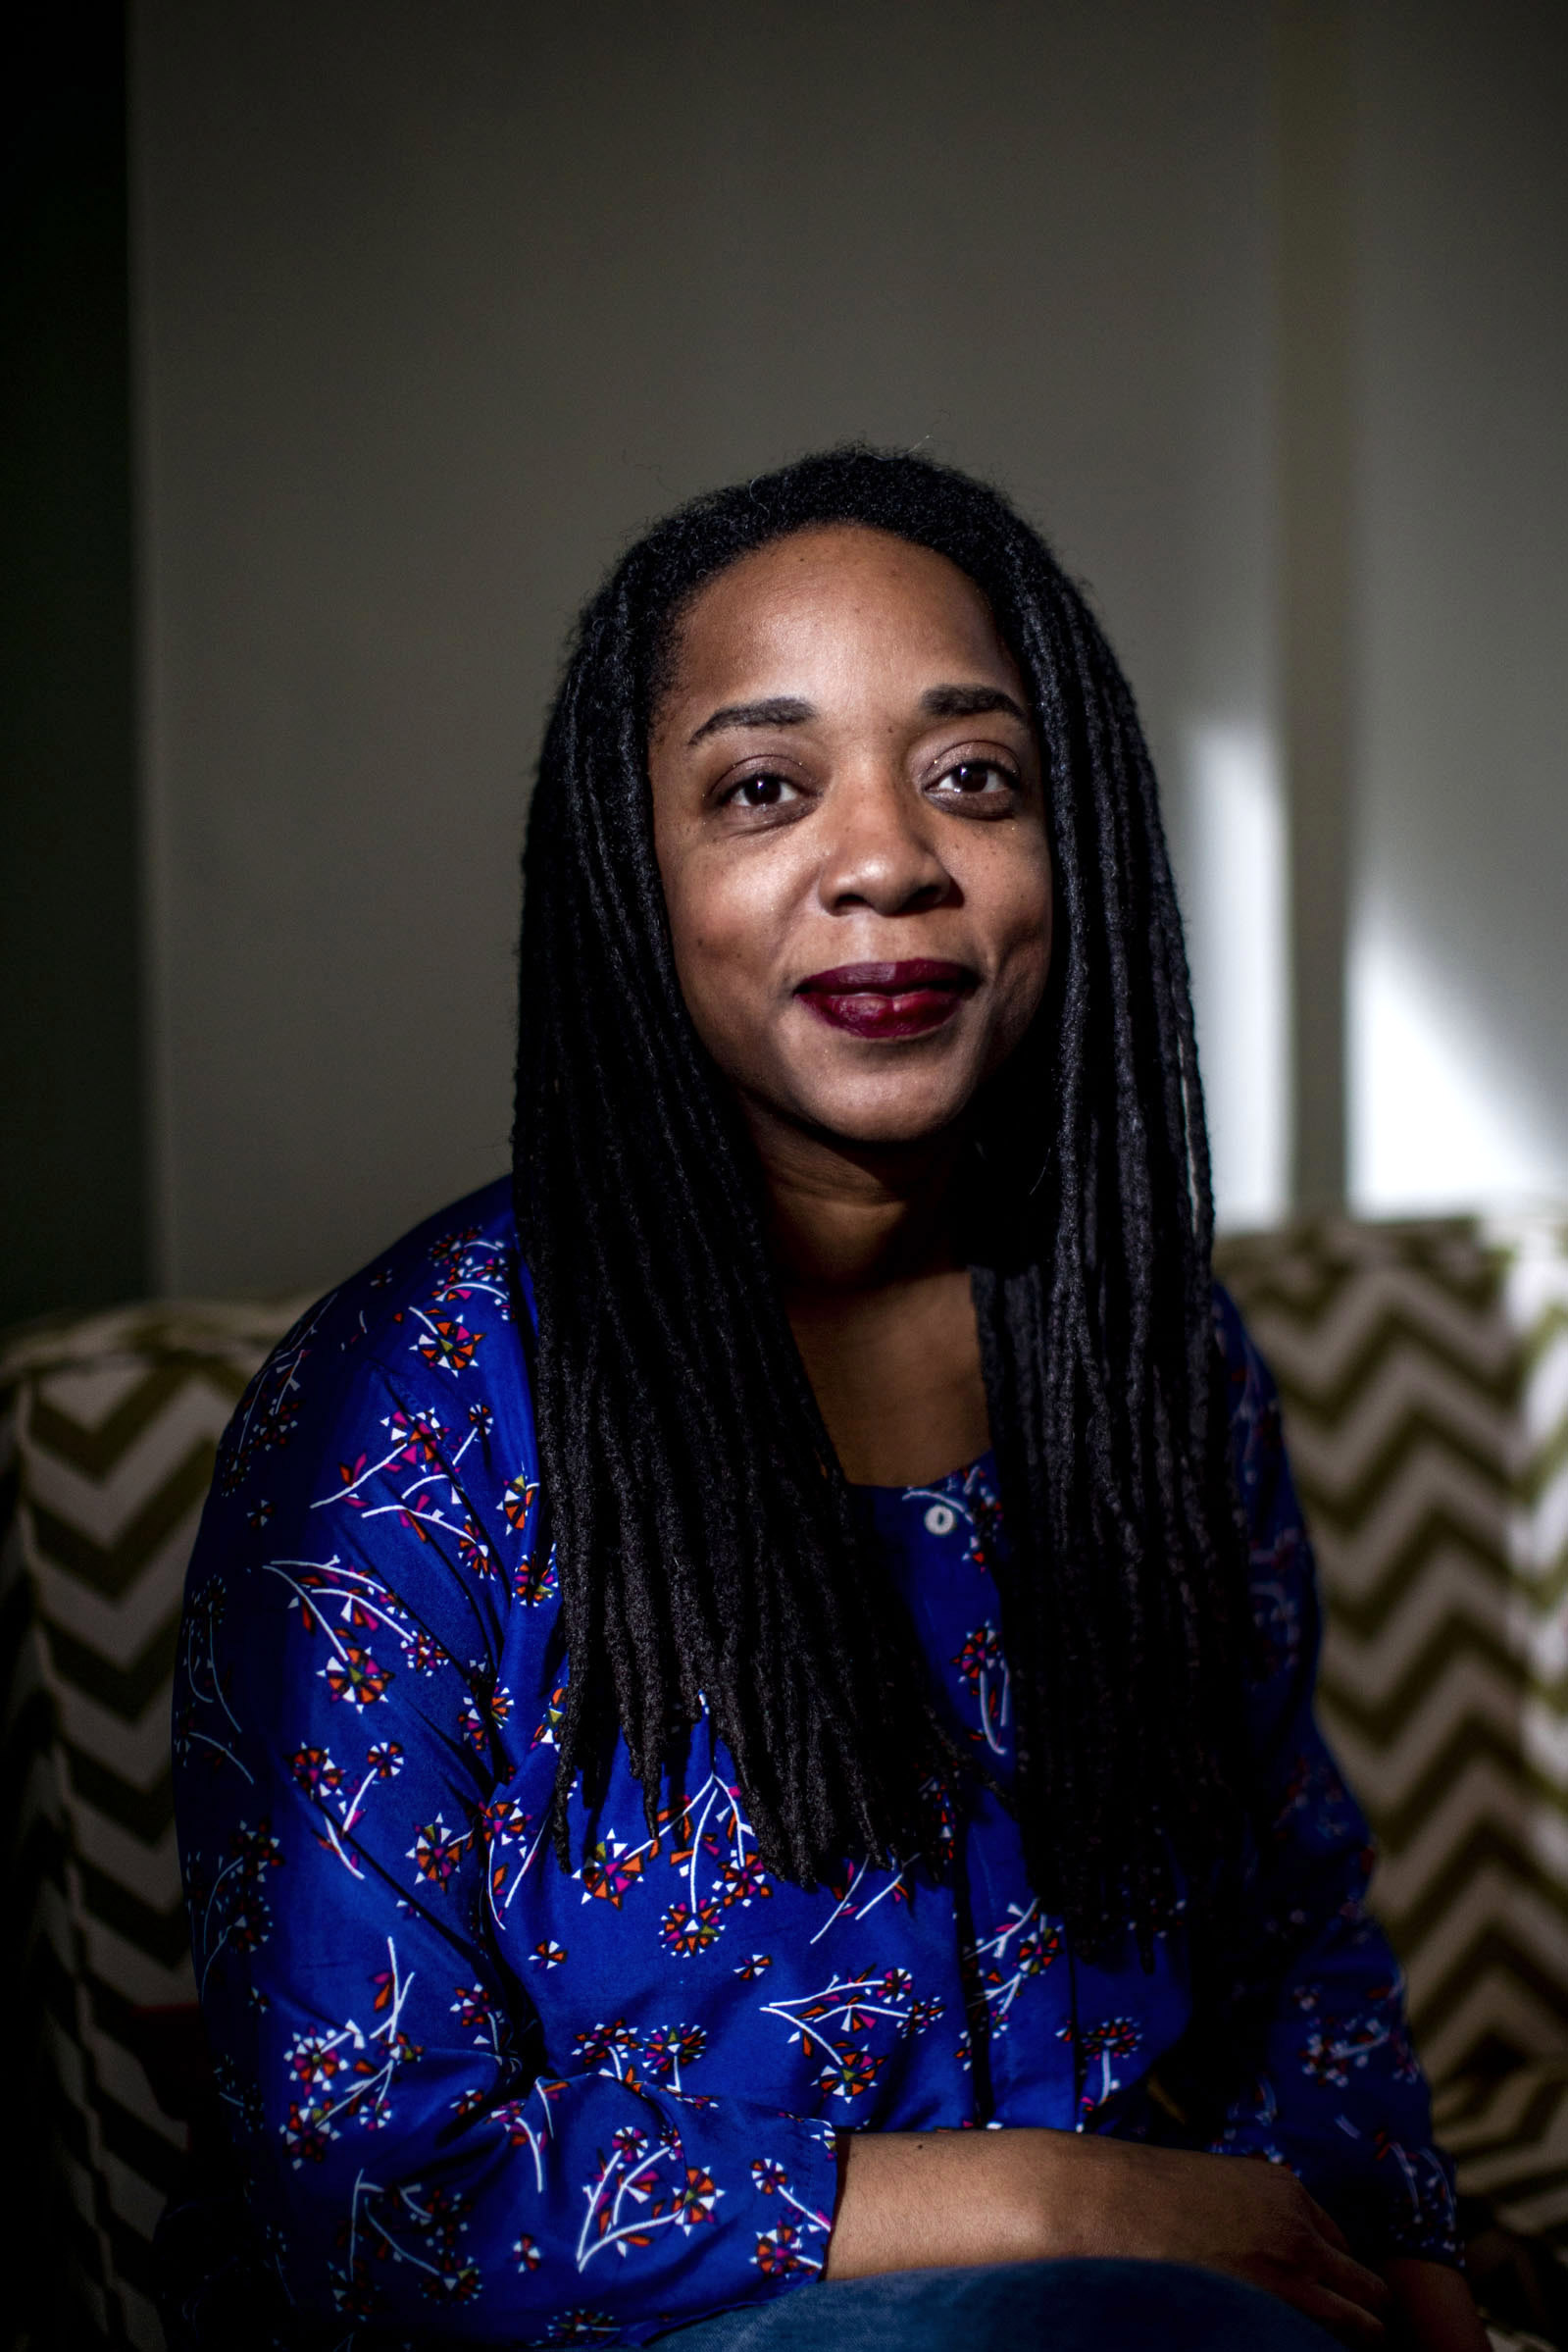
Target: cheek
column 723, row 925
column 1019, row 910
column 1013, row 901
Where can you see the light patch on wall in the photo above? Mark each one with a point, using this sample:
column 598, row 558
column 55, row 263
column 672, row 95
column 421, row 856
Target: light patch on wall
column 1235, row 903
column 1439, row 1119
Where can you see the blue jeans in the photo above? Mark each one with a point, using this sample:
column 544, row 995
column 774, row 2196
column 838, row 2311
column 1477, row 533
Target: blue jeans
column 1016, row 2307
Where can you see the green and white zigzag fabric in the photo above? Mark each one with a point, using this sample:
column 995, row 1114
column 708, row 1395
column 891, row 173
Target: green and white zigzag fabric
column 110, row 1431
column 1425, row 1376
column 1424, row 1372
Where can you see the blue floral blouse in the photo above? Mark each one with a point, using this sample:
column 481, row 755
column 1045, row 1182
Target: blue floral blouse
column 477, row 2098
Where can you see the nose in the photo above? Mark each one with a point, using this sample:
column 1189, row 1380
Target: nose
column 881, row 849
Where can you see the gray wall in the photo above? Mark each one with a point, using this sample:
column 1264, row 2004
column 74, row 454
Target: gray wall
column 73, row 1147
column 441, row 304
column 1459, row 947
column 438, row 305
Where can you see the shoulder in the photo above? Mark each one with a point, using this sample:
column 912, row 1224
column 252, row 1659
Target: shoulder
column 435, row 1317
column 1282, row 1574
column 1252, row 1401
column 412, row 1373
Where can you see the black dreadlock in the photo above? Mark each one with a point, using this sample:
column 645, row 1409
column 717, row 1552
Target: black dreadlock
column 709, row 1548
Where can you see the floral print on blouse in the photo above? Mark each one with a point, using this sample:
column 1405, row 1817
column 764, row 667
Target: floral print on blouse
column 478, row 2099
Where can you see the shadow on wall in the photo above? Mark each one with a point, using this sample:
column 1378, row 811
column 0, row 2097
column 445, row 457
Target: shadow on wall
column 435, row 309
column 435, row 317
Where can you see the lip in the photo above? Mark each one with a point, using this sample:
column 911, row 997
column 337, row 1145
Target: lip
column 889, row 1000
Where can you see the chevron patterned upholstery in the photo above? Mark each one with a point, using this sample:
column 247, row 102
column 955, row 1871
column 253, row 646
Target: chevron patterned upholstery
column 1425, row 1376
column 108, row 1428
column 1424, row 1372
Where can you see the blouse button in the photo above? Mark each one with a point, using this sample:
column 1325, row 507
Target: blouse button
column 941, row 1519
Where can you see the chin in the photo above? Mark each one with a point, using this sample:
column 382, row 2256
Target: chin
column 900, row 1124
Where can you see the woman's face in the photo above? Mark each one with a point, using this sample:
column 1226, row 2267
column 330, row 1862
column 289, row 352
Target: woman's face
column 849, row 822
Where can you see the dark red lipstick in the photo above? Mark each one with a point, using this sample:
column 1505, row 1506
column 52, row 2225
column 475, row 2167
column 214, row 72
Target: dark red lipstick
column 889, row 1000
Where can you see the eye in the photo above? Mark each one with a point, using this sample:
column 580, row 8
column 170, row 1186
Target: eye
column 978, row 780
column 762, row 791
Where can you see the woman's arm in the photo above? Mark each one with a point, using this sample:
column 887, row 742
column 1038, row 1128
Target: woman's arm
column 914, row 2201
column 1432, row 2308
column 940, row 2200
column 355, row 1696
column 1308, row 2058
column 1311, row 2069
column 1303, row 2053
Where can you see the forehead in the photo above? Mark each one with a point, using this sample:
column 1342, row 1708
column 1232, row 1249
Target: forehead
column 805, row 598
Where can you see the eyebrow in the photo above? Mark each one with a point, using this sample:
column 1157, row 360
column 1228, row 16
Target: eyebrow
column 791, row 710
column 779, row 710
column 969, row 702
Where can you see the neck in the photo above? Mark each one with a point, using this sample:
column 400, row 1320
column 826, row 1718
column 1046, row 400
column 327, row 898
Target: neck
column 877, row 1299
column 847, row 1219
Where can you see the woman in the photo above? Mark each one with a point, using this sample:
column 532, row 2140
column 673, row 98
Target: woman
column 786, row 1631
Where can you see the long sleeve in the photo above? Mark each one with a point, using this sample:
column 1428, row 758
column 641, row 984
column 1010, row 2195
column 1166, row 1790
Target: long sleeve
column 362, row 1697
column 1324, row 2077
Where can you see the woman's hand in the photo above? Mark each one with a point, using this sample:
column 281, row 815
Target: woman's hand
column 1433, row 2310
column 942, row 2199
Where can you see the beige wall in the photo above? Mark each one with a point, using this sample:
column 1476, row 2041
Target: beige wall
column 438, row 305
column 1460, row 942
column 441, row 303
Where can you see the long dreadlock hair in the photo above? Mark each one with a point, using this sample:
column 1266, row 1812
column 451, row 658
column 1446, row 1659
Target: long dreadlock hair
column 709, row 1548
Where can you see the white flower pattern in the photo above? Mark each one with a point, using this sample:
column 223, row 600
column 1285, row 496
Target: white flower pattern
column 662, row 2044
